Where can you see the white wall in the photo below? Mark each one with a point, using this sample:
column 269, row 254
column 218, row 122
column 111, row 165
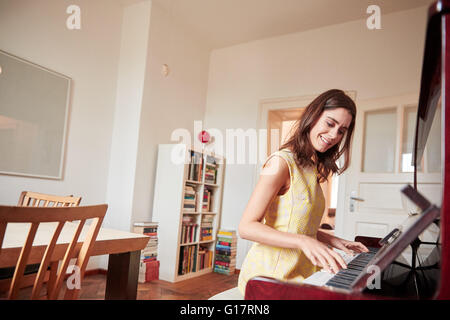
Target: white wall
column 125, row 135
column 169, row 102
column 374, row 63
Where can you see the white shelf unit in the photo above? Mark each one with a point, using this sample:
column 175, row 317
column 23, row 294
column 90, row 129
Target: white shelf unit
column 172, row 176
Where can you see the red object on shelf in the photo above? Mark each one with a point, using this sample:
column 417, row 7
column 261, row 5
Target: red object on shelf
column 152, row 271
column 204, row 136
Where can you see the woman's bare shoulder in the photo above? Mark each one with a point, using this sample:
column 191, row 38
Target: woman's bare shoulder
column 275, row 167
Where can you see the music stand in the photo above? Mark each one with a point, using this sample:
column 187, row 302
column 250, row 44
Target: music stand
column 396, row 242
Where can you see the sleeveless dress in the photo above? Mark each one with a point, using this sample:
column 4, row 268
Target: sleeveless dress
column 299, row 211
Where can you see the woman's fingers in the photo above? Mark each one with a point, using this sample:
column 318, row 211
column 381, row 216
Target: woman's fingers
column 362, row 247
column 339, row 259
column 324, row 263
column 332, row 262
column 358, row 247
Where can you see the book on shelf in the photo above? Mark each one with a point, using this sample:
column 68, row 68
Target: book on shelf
column 189, row 232
column 210, row 170
column 205, row 258
column 206, row 228
column 188, row 229
column 195, row 166
column 188, row 260
column 207, row 200
column 190, row 199
column 146, row 224
column 225, row 259
column 149, row 264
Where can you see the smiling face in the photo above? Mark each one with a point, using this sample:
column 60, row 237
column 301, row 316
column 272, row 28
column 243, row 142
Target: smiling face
column 330, row 128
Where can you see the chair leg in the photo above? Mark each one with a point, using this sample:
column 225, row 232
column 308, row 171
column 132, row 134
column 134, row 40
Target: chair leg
column 52, row 277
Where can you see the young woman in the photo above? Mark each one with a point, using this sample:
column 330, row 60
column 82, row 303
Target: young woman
column 284, row 212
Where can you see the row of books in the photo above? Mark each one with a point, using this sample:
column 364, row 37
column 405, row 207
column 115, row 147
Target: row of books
column 188, row 260
column 149, row 265
column 190, row 199
column 210, row 170
column 225, row 261
column 195, row 166
column 207, row 200
column 195, row 170
column 205, row 257
column 206, row 228
column 188, row 229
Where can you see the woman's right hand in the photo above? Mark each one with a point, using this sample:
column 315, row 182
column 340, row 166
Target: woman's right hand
column 321, row 255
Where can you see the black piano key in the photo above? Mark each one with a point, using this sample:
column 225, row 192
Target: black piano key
column 341, row 280
column 351, row 272
column 359, row 265
column 354, row 267
column 345, row 277
column 338, row 284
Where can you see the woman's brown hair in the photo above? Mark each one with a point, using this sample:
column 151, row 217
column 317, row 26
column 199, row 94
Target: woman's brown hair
column 300, row 144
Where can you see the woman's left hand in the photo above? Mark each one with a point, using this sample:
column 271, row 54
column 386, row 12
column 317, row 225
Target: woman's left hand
column 349, row 247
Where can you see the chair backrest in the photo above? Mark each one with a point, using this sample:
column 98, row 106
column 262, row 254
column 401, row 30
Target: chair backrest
column 59, row 216
column 35, row 199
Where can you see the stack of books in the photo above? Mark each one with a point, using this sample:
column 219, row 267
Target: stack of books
column 188, row 229
column 149, row 265
column 206, row 228
column 204, row 258
column 195, row 167
column 225, row 261
column 207, row 200
column 210, row 170
column 188, row 260
column 190, row 198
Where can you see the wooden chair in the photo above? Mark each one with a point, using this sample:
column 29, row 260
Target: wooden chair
column 34, row 199
column 59, row 216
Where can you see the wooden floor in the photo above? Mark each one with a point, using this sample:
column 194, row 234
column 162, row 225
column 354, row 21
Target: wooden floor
column 199, row 288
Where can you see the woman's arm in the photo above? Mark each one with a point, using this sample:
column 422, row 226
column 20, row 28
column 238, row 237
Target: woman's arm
column 273, row 177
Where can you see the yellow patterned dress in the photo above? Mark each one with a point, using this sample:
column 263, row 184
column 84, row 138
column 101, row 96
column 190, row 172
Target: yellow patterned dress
column 299, row 211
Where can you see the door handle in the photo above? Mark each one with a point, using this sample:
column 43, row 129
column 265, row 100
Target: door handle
column 354, row 198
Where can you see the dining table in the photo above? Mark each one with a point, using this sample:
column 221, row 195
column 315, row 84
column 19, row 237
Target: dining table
column 123, row 249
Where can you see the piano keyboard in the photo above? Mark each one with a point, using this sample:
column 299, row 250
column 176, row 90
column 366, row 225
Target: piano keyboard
column 345, row 277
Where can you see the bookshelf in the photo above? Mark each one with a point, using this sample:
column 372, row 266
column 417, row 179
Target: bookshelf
column 187, row 204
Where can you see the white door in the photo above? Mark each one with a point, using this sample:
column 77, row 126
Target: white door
column 381, row 165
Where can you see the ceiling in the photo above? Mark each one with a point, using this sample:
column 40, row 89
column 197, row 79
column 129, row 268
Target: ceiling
column 222, row 23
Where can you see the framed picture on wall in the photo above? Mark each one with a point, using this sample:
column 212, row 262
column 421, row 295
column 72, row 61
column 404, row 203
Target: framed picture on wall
column 34, row 107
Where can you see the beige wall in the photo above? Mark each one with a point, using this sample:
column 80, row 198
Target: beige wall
column 374, row 63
